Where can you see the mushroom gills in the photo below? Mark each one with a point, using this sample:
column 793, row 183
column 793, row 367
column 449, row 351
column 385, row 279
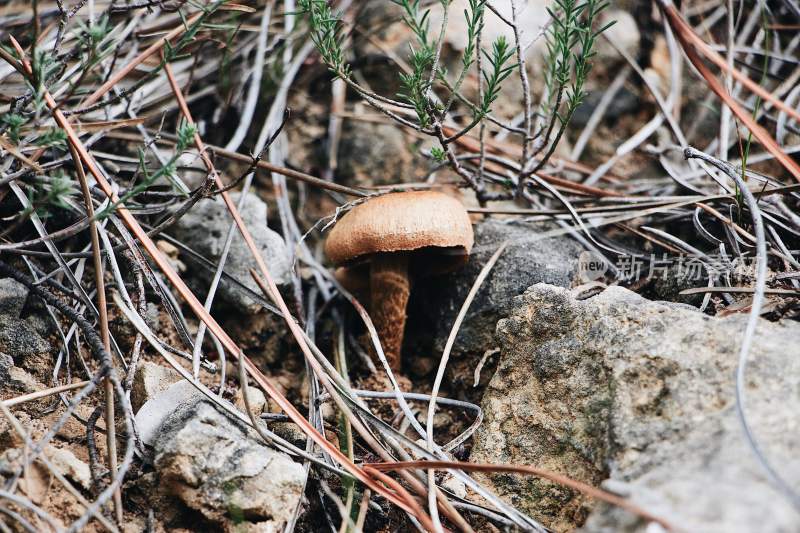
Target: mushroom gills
column 389, row 288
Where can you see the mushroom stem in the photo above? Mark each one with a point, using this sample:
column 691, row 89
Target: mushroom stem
column 390, row 288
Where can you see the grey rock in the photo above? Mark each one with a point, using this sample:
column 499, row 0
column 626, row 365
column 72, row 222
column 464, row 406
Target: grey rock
column 6, row 362
column 290, row 432
column 218, row 467
column 642, row 393
column 15, row 381
column 374, row 154
column 527, row 260
column 204, row 229
column 12, row 297
column 149, row 380
column 21, row 340
column 124, row 331
column 152, row 414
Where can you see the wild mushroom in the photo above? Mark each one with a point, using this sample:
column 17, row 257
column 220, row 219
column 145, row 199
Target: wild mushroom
column 398, row 236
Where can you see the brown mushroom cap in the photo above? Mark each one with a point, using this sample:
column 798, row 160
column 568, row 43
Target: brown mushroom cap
column 413, row 221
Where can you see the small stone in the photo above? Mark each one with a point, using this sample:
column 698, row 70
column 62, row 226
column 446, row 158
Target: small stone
column 255, row 396
column 217, row 466
column 74, row 429
column 69, row 466
column 12, row 297
column 134, row 524
column 155, row 410
column 172, row 254
column 6, row 363
column 150, row 379
column 9, row 438
column 22, row 342
column 290, row 432
column 204, row 229
column 35, row 484
column 15, row 379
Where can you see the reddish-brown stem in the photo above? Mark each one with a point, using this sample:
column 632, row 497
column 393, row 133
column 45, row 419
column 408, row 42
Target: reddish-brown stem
column 389, row 290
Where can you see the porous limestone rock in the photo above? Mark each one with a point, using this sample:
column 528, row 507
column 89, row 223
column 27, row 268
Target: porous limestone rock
column 642, row 393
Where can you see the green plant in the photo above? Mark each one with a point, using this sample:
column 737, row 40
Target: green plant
column 43, row 65
column 570, row 46
column 50, row 194
column 53, row 138
column 12, row 123
column 430, row 95
column 498, row 59
column 425, row 89
column 185, row 137
column 325, row 33
column 92, row 35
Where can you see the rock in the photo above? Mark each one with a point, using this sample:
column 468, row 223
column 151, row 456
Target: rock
column 24, row 338
column 149, row 380
column 257, row 400
column 69, row 466
column 204, row 229
column 154, row 411
column 374, row 154
column 527, row 260
column 624, row 34
column 16, row 379
column 125, row 332
column 6, row 364
column 640, row 392
column 9, row 438
column 20, row 340
column 12, row 297
column 16, row 382
column 216, row 466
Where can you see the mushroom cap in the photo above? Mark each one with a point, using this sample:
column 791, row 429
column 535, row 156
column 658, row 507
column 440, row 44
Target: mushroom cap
column 427, row 223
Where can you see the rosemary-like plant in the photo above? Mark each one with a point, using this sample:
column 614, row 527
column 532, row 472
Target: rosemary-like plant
column 427, row 91
column 570, row 45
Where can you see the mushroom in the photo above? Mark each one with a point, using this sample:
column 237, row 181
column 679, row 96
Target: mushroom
column 395, row 237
